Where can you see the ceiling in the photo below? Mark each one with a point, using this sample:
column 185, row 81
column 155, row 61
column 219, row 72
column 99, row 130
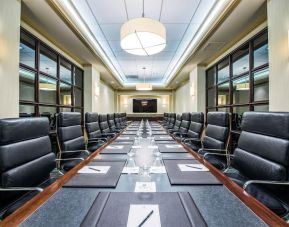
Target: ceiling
column 102, row 21
column 120, row 69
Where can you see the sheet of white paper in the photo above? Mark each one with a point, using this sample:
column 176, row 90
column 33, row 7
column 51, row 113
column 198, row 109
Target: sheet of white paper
column 153, row 147
column 165, row 137
column 123, row 138
column 127, row 170
column 145, row 187
column 139, row 212
column 173, row 146
column 136, row 147
column 115, row 147
column 192, row 168
column 94, row 169
column 158, row 169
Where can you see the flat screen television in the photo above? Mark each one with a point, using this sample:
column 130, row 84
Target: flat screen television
column 145, row 106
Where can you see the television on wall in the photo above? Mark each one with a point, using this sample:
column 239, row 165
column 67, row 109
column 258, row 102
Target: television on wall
column 145, row 106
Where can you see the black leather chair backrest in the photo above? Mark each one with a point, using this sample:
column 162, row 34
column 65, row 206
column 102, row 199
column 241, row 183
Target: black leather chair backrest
column 117, row 120
column 111, row 123
column 262, row 152
column 186, row 117
column 172, row 120
column 165, row 118
column 70, row 134
column 92, row 125
column 217, row 130
column 196, row 125
column 177, row 122
column 103, row 123
column 26, row 157
column 123, row 119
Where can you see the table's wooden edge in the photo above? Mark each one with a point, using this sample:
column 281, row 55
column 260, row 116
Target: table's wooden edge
column 25, row 211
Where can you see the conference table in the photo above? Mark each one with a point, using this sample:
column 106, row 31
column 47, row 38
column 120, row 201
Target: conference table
column 177, row 198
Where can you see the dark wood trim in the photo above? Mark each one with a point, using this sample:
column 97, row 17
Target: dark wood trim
column 57, row 78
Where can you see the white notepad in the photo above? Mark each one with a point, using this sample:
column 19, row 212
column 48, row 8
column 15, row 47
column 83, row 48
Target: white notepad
column 192, row 168
column 115, row 147
column 129, row 170
column 158, row 169
column 145, row 187
column 139, row 212
column 123, row 138
column 94, row 169
column 165, row 137
column 136, row 147
column 153, row 147
column 174, row 146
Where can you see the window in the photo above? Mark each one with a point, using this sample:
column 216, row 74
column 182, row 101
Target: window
column 223, row 94
column 223, row 71
column 27, row 85
column 48, row 61
column 241, row 61
column 27, row 50
column 47, row 90
column 65, row 71
column 51, row 85
column 261, row 85
column 239, row 85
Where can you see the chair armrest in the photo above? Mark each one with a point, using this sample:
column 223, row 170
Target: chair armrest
column 76, row 151
column 211, row 149
column 218, row 154
column 247, row 183
column 98, row 138
column 109, row 134
column 21, row 189
column 192, row 139
column 68, row 159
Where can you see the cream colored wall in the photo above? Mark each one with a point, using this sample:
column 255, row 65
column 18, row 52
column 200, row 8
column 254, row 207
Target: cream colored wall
column 183, row 100
column 278, row 29
column 10, row 11
column 125, row 101
column 98, row 97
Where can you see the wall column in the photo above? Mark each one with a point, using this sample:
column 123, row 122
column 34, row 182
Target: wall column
column 198, row 88
column 278, row 28
column 10, row 12
column 91, row 89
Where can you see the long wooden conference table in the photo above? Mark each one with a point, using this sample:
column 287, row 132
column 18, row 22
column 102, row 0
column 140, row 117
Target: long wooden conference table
column 181, row 198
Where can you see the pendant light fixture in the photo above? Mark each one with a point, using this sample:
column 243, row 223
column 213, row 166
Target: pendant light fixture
column 143, row 36
column 144, row 86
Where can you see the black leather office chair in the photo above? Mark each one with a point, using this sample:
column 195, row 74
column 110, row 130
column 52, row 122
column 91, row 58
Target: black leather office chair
column 93, row 129
column 117, row 120
column 72, row 146
column 183, row 129
column 165, row 119
column 195, row 131
column 172, row 121
column 104, row 127
column 123, row 120
column 216, row 139
column 111, row 123
column 26, row 160
column 177, row 124
column 262, row 159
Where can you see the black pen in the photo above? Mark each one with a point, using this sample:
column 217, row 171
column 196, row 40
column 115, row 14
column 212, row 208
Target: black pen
column 146, row 218
column 194, row 167
column 94, row 169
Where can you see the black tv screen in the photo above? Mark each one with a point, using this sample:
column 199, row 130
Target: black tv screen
column 145, row 106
